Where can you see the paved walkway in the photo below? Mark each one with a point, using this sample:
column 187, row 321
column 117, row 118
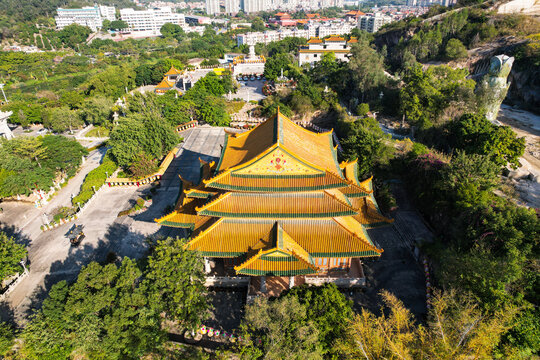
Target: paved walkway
column 51, row 258
column 396, row 271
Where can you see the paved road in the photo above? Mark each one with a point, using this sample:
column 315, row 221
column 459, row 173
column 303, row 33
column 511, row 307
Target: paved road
column 28, row 219
column 52, row 258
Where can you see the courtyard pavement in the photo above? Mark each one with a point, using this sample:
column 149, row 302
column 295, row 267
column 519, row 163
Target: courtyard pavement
column 249, row 90
column 52, row 258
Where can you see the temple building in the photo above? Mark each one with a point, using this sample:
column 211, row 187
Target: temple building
column 279, row 207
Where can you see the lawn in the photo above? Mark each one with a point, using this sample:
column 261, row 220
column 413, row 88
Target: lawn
column 99, row 131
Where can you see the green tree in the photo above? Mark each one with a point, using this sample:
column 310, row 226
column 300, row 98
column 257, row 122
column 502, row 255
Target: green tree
column 97, row 110
column 214, row 114
column 104, row 314
column 143, row 166
column 169, row 30
column 328, row 309
column 61, row 119
column 435, row 95
column 73, row 99
column 362, row 109
column 145, row 132
column 11, row 255
column 74, row 35
column 455, row 49
column 6, row 338
column 257, row 24
column 284, row 329
column 126, row 141
column 113, row 82
column 275, row 64
column 106, row 25
column 175, row 282
column 365, row 142
column 118, row 25
column 476, row 135
column 366, row 67
column 63, row 154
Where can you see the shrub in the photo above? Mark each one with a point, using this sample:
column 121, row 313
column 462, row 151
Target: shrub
column 95, row 178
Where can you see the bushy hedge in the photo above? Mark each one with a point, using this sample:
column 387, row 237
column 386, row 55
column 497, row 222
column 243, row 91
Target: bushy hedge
column 94, row 178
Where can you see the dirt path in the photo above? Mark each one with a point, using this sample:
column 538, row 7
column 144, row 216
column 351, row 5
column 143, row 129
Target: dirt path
column 526, row 179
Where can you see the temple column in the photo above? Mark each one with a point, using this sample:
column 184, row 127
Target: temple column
column 263, row 284
column 207, row 267
column 291, row 282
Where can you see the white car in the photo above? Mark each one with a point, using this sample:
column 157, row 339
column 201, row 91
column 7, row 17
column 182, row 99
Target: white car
column 42, row 131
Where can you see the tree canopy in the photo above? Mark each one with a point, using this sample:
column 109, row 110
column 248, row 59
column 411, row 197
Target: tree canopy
column 477, row 135
column 33, row 163
column 11, row 254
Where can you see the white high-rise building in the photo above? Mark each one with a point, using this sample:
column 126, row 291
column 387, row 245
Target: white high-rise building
column 212, row 7
column 107, row 12
column 151, row 19
column 372, row 23
column 252, row 6
column 232, row 6
column 87, row 16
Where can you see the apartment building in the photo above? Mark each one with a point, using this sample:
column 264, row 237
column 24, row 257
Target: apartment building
column 373, row 22
column 332, row 28
column 253, row 6
column 212, row 7
column 87, row 16
column 267, row 37
column 152, row 19
column 232, row 6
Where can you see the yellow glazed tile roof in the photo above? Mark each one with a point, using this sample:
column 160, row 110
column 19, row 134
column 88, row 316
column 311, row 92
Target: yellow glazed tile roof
column 368, row 214
column 173, row 71
column 235, row 182
column 275, row 263
column 165, row 84
column 336, row 237
column 306, row 146
column 277, row 205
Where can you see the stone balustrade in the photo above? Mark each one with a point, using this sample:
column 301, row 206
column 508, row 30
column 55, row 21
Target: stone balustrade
column 227, row 281
column 339, row 281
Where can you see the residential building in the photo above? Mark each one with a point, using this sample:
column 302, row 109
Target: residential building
column 313, row 29
column 87, row 16
column 253, row 6
column 373, row 22
column 316, row 48
column 151, row 20
column 267, row 37
column 279, row 208
column 332, row 28
column 107, row 12
column 212, row 7
column 232, row 6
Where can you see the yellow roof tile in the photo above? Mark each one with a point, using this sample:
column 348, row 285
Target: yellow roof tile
column 277, row 205
column 165, row 84
column 173, row 71
column 335, row 237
